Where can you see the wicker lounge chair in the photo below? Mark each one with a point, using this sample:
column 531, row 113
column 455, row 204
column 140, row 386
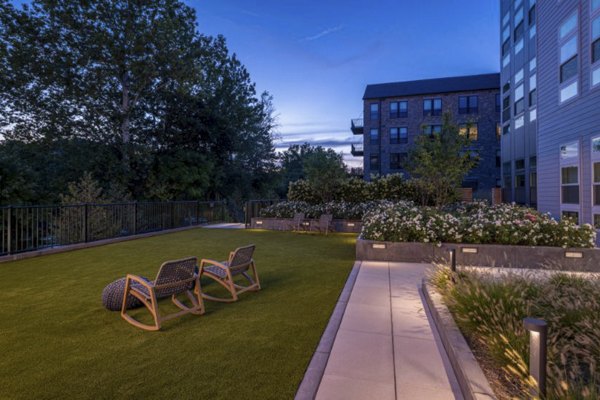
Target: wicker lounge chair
column 298, row 221
column 324, row 223
column 173, row 278
column 239, row 263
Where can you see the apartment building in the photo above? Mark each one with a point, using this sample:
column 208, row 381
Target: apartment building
column 550, row 79
column 396, row 113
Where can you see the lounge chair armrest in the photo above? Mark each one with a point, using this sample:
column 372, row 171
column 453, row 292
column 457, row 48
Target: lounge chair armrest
column 206, row 261
column 141, row 281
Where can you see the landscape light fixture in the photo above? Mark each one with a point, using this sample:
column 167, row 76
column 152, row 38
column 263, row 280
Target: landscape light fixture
column 538, row 334
column 453, row 260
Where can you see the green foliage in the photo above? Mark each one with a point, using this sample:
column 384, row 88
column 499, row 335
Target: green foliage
column 339, row 209
column 490, row 310
column 440, row 162
column 154, row 106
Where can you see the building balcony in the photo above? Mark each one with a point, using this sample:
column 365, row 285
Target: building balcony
column 357, row 126
column 358, row 150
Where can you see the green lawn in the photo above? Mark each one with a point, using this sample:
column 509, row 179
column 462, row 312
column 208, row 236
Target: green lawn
column 57, row 341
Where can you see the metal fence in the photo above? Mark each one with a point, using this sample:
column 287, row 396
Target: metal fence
column 28, row 228
column 253, row 207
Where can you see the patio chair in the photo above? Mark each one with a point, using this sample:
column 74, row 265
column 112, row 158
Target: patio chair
column 239, row 263
column 324, row 223
column 174, row 278
column 298, row 221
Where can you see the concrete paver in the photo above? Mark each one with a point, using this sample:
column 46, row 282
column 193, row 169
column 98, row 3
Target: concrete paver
column 386, row 346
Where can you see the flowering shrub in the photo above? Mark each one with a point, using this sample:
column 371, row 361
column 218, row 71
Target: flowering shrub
column 339, row 209
column 475, row 223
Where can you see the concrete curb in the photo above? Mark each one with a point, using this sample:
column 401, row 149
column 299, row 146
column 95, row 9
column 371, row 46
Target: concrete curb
column 473, row 383
column 79, row 246
column 314, row 373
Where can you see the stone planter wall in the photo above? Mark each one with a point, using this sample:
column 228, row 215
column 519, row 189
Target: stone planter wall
column 286, row 224
column 482, row 255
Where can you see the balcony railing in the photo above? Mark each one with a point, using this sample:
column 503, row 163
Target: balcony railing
column 357, row 126
column 358, row 150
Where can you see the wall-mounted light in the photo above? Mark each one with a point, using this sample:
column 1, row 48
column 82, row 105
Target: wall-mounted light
column 350, row 224
column 470, row 250
column 378, row 246
column 573, row 254
column 538, row 334
column 259, row 222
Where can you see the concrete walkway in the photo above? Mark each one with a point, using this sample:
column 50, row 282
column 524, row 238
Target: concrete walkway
column 225, row 225
column 387, row 346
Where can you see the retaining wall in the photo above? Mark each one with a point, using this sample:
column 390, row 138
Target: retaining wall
column 286, row 224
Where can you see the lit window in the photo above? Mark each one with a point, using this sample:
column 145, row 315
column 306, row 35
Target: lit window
column 568, row 26
column 519, row 76
column 568, row 92
column 468, row 130
column 519, row 122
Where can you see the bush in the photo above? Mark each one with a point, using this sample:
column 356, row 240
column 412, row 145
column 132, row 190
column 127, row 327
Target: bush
column 475, row 223
column 490, row 311
column 339, row 209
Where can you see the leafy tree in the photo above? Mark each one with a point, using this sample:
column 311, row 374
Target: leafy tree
column 440, row 162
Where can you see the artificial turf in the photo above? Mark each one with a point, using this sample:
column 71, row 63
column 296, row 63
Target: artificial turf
column 58, row 342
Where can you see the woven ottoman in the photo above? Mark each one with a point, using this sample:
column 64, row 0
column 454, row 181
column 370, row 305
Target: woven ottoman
column 112, row 296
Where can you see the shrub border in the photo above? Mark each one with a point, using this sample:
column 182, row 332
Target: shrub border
column 482, row 255
column 470, row 377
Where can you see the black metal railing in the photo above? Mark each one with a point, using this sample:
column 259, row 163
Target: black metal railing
column 253, row 207
column 29, row 228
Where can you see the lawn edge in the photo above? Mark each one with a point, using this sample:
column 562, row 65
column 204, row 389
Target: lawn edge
column 316, row 368
column 473, row 383
column 87, row 245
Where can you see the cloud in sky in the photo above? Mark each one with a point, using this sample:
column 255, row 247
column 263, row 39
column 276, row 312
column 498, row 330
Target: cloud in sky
column 323, row 33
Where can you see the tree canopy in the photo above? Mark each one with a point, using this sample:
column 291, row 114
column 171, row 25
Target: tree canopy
column 132, row 93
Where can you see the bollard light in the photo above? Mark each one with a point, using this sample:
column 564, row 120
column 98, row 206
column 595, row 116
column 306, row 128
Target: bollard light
column 453, row 260
column 538, row 334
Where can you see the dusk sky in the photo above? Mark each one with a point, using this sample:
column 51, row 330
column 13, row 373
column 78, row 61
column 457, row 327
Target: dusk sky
column 316, row 57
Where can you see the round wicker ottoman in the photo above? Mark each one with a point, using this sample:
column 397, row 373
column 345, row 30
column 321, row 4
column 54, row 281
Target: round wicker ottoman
column 112, row 296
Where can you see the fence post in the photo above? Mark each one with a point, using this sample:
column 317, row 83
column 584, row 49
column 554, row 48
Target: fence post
column 135, row 217
column 172, row 211
column 85, row 222
column 9, row 235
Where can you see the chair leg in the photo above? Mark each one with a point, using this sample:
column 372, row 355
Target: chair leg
column 152, row 307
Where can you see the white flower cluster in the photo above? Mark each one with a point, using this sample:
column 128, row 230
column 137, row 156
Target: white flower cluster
column 475, row 223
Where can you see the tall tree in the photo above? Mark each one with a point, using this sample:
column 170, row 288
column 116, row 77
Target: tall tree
column 440, row 162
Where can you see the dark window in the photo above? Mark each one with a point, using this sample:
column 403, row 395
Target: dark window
column 506, row 102
column 498, row 102
column 374, row 111
column 570, row 185
column 519, row 31
column 394, row 109
column 533, row 162
column 532, row 15
column 506, row 129
column 397, row 160
column 597, row 184
column 568, row 69
column 403, row 109
column 431, row 129
column 533, row 97
column 533, row 180
column 498, row 158
column 572, row 215
column 597, row 221
column 519, row 164
column 398, row 135
column 374, row 136
column 506, row 168
column 374, row 162
column 468, row 104
column 519, row 106
column 506, row 87
column 520, row 181
column 432, row 107
column 506, row 47
column 596, row 50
